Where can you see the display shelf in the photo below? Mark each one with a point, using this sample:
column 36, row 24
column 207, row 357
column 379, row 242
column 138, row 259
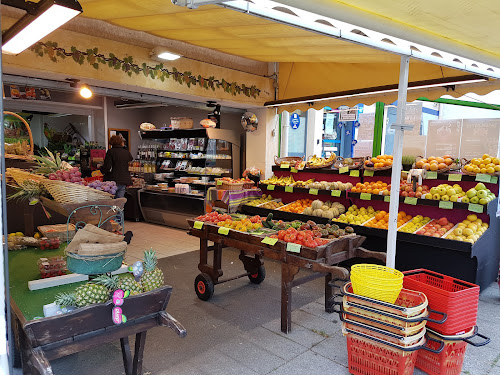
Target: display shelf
column 420, row 202
column 264, row 187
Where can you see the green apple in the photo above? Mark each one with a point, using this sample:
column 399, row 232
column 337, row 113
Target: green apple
column 445, row 198
column 454, row 198
column 480, row 186
column 434, row 190
column 481, row 194
column 442, row 191
column 457, row 231
column 458, row 188
column 483, row 201
column 465, row 200
column 428, row 196
column 474, row 200
column 436, row 196
column 471, row 193
column 451, row 192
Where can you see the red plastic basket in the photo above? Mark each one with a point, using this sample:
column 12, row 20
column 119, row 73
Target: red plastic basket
column 367, row 357
column 457, row 298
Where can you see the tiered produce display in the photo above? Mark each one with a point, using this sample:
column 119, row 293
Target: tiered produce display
column 429, row 211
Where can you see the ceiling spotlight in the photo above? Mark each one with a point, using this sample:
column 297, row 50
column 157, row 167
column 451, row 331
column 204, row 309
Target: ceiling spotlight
column 159, row 53
column 40, row 20
column 86, row 92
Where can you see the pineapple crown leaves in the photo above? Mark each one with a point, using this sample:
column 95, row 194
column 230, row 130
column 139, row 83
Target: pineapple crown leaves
column 65, row 299
column 110, row 282
column 150, row 260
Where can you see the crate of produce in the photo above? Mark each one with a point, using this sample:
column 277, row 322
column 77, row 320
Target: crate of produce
column 451, row 358
column 225, row 184
column 369, row 355
column 377, row 282
column 181, row 122
column 457, row 298
column 65, row 232
column 51, row 267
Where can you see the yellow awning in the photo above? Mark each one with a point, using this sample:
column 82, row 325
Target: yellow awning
column 312, row 64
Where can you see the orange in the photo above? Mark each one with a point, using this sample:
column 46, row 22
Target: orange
column 380, row 215
column 376, row 191
column 442, row 165
column 440, row 160
column 419, row 164
column 448, row 161
column 434, row 167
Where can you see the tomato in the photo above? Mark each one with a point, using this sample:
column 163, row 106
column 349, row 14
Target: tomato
column 291, row 230
column 300, row 236
column 274, row 236
column 310, row 243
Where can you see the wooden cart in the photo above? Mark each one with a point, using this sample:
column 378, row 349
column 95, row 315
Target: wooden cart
column 320, row 260
column 42, row 340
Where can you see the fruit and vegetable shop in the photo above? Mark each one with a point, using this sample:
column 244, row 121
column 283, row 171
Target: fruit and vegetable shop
column 170, row 165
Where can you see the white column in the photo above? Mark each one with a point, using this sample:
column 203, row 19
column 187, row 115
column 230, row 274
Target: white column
column 396, row 166
column 285, row 128
column 105, row 107
column 314, row 132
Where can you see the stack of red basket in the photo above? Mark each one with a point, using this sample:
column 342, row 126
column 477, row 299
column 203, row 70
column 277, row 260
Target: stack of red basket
column 459, row 300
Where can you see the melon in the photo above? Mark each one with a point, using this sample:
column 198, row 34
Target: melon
column 317, row 204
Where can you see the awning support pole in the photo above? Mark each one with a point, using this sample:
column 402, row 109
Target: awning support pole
column 396, row 165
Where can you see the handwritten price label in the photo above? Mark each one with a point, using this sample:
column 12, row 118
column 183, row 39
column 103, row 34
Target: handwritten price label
column 368, row 173
column 387, row 198
column 289, row 189
column 447, row 205
column 411, row 200
column 344, row 170
column 477, row 208
column 313, row 191
column 219, row 182
column 293, row 247
column 223, row 230
column 269, row 241
column 285, row 165
column 454, row 177
column 365, row 196
column 336, row 193
column 494, row 179
column 198, row 225
column 270, row 187
column 354, row 173
column 431, row 175
column 293, row 170
column 483, row 177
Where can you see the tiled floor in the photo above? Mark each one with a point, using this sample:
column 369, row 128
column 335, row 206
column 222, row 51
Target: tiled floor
column 166, row 241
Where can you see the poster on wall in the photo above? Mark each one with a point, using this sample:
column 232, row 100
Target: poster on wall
column 350, row 114
column 366, row 127
column 125, row 133
column 363, row 148
column 443, row 138
column 479, row 136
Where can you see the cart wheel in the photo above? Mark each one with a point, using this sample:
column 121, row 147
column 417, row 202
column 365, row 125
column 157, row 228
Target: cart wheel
column 204, row 286
column 257, row 278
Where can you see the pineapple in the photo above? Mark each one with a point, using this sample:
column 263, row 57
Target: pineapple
column 84, row 295
column 125, row 283
column 50, row 164
column 152, row 277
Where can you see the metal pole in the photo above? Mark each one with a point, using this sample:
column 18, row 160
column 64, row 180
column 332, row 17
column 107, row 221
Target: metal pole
column 285, row 126
column 396, row 165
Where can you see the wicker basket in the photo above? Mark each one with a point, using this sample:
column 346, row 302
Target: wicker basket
column 181, row 122
column 229, row 186
column 373, row 168
column 326, row 165
column 30, row 135
column 64, row 232
column 248, row 185
column 444, row 170
column 93, row 265
column 20, row 175
column 339, row 163
column 67, row 192
column 287, row 159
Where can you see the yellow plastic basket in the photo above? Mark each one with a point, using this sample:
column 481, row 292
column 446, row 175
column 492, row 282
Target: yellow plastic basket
column 377, row 282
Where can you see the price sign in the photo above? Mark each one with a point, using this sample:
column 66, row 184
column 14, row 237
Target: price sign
column 198, row 225
column 454, row 177
column 219, row 182
column 477, row 208
column 344, row 170
column 483, row 177
column 293, row 247
column 270, row 187
column 313, row 191
column 365, row 196
column 223, row 230
column 494, row 179
column 432, row 175
column 289, row 189
column 354, row 173
column 447, row 205
column 387, row 198
column 285, row 165
column 336, row 193
column 293, row 170
column 411, row 200
column 269, row 241
column 368, row 173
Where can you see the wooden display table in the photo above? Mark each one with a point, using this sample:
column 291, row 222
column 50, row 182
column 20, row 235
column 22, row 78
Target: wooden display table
column 42, row 340
column 320, row 260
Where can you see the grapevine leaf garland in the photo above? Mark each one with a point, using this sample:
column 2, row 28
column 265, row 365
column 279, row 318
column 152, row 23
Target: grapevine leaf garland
column 98, row 60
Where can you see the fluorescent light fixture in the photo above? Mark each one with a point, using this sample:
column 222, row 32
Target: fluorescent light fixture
column 372, row 91
column 42, row 19
column 162, row 54
column 327, row 26
column 86, row 92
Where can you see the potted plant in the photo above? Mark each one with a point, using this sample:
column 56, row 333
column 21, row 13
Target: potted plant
column 407, row 162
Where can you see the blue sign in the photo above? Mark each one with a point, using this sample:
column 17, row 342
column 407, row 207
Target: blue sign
column 294, row 120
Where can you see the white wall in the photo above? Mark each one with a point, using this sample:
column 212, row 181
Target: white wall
column 314, row 132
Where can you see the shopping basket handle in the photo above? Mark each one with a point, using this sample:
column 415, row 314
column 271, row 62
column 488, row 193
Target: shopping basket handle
column 438, row 350
column 429, row 319
column 377, row 311
column 476, row 344
column 403, row 348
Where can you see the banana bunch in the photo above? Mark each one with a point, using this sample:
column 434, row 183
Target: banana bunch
column 314, row 161
column 302, row 184
column 281, row 181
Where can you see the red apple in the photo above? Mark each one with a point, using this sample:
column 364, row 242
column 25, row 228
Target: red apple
column 404, row 194
column 419, row 189
column 437, row 235
column 421, row 232
column 437, row 226
column 428, row 234
column 443, row 221
column 411, row 193
column 425, row 187
column 418, row 194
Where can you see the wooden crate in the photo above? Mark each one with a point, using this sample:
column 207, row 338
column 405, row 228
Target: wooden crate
column 60, row 231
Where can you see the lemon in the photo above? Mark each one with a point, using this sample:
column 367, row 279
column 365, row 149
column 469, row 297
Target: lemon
column 19, row 234
column 37, row 235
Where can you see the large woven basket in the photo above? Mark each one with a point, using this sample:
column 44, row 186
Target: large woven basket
column 466, row 161
column 20, row 175
column 67, row 192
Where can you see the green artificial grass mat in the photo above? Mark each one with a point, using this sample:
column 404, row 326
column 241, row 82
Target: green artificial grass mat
column 23, row 267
